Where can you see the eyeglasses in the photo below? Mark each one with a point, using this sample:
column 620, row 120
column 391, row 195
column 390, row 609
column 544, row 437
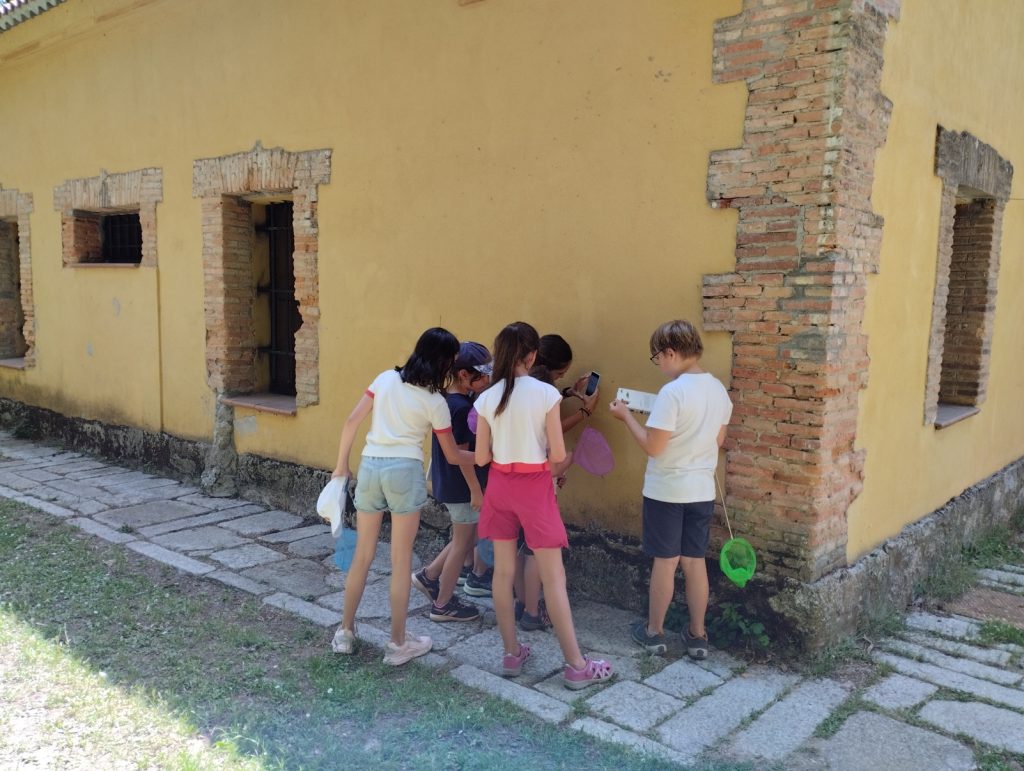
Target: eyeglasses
column 654, row 358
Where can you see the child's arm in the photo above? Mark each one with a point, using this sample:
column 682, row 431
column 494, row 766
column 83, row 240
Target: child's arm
column 483, row 441
column 476, row 493
column 653, row 441
column 451, row 451
column 556, row 441
column 721, row 434
column 348, row 435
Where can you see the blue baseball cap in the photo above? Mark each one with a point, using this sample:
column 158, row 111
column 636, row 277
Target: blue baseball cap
column 474, row 356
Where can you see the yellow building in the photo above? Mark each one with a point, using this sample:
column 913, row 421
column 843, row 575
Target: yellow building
column 219, row 220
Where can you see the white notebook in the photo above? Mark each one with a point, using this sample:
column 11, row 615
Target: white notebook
column 638, row 401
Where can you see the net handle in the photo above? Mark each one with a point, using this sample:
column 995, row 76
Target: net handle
column 721, row 497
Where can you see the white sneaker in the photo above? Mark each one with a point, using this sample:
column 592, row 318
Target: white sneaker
column 344, row 641
column 396, row 655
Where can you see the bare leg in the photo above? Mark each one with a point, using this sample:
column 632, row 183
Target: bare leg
column 367, row 532
column 695, row 570
column 552, row 576
column 437, row 565
column 463, row 538
column 403, row 533
column 520, row 588
column 531, row 585
column 479, row 566
column 663, row 588
column 501, row 591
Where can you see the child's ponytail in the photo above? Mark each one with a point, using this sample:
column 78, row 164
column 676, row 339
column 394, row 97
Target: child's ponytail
column 511, row 347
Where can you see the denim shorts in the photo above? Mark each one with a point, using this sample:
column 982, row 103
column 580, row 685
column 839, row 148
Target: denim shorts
column 390, row 484
column 462, row 513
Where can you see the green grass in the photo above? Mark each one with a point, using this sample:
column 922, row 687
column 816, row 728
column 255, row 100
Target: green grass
column 954, row 575
column 994, row 632
column 120, row 660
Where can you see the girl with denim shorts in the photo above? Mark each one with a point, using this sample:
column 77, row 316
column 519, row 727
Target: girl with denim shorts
column 519, row 432
column 406, row 404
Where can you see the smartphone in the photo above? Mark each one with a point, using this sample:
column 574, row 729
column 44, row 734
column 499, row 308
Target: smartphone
column 595, row 378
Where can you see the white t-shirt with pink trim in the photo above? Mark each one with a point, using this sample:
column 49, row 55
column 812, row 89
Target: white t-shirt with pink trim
column 403, row 415
column 519, row 433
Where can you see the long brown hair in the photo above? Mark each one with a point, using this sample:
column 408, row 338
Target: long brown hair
column 511, row 347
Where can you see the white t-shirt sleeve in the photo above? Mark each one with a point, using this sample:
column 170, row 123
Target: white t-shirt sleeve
column 375, row 386
column 664, row 412
column 726, row 407
column 440, row 415
column 551, row 398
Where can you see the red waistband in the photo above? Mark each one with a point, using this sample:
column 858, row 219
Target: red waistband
column 519, row 468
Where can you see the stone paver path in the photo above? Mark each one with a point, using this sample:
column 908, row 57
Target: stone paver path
column 940, row 685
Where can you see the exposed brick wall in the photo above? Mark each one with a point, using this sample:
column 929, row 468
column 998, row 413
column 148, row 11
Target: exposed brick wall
column 976, row 184
column 223, row 183
column 227, row 253
column 16, row 208
column 82, row 202
column 806, row 239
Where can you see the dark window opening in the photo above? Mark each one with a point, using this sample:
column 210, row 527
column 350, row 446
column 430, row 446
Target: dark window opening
column 968, row 304
column 279, row 291
column 12, row 316
column 121, row 238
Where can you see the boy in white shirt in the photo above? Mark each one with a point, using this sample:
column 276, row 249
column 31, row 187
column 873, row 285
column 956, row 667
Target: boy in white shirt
column 683, row 433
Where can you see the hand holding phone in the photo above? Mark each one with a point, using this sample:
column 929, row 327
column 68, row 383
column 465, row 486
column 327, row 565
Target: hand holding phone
column 592, row 382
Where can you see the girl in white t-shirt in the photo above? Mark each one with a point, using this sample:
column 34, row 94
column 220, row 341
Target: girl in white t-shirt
column 519, row 432
column 406, row 403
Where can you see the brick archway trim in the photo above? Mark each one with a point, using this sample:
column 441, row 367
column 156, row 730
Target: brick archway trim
column 222, row 183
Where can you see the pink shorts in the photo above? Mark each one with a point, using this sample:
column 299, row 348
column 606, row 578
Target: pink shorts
column 515, row 500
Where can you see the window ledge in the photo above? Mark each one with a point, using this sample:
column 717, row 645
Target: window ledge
column 948, row 414
column 13, row 363
column 103, row 265
column 267, row 402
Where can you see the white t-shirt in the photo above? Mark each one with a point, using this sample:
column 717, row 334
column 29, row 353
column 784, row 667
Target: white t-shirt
column 403, row 415
column 694, row 408
column 518, row 434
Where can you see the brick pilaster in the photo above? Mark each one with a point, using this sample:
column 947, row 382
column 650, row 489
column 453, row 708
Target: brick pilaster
column 806, row 238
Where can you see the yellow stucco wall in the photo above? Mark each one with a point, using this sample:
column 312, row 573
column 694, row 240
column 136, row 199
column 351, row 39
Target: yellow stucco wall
column 491, row 162
column 954, row 63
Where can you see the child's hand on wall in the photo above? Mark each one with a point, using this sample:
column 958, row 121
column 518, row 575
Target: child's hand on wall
column 619, row 409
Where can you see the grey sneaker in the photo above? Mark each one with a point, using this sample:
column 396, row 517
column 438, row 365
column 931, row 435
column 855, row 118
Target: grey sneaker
column 696, row 647
column 652, row 643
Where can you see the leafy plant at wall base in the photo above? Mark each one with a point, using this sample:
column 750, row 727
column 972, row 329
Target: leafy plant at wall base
column 731, row 626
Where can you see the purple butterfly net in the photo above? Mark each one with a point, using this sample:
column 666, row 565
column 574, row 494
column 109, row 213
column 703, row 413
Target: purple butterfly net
column 592, row 453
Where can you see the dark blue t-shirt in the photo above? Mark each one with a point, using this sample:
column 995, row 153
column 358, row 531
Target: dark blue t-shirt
column 449, row 484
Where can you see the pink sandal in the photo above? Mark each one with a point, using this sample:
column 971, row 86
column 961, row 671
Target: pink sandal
column 596, row 671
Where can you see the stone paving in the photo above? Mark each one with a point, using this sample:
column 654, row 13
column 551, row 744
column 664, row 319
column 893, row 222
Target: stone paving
column 939, row 699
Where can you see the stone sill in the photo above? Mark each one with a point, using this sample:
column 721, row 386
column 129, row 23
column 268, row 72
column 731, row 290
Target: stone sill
column 276, row 404
column 948, row 414
column 103, row 265
column 13, row 363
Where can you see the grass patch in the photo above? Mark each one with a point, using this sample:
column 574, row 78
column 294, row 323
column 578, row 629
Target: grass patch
column 995, row 632
column 954, row 575
column 117, row 660
column 830, row 725
column 828, row 660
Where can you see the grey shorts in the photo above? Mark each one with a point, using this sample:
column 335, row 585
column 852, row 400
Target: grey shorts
column 676, row 529
column 463, row 513
column 390, row 484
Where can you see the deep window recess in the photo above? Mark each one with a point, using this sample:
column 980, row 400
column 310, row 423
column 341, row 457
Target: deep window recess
column 121, row 239
column 278, row 289
column 12, row 317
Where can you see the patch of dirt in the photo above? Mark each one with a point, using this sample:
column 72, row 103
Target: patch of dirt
column 989, row 605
